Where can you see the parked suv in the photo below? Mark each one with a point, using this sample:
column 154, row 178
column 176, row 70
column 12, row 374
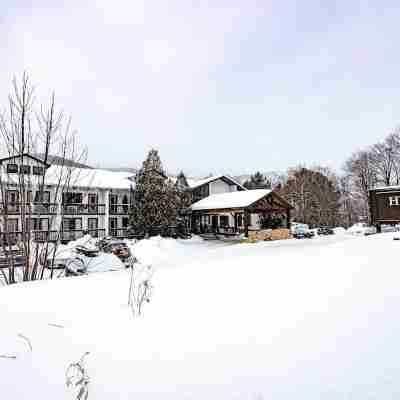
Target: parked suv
column 302, row 231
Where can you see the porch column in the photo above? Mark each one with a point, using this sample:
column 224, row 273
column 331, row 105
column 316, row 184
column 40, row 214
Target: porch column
column 246, row 222
column 288, row 218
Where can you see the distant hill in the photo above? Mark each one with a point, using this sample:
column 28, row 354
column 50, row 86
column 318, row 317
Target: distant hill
column 131, row 170
column 272, row 175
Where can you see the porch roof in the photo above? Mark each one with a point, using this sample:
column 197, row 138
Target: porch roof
column 240, row 199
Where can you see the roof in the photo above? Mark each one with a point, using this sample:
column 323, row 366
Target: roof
column 240, row 199
column 25, row 155
column 194, row 183
column 79, row 178
column 92, row 178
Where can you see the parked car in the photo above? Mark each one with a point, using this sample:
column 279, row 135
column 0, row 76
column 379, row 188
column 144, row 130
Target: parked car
column 117, row 247
column 362, row 228
column 324, row 230
column 302, row 231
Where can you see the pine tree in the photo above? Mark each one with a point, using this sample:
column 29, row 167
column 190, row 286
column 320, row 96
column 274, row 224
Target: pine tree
column 257, row 181
column 184, row 196
column 154, row 198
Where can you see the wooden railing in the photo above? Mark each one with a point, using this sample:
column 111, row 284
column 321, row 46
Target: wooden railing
column 220, row 229
column 119, row 233
column 10, row 238
column 29, row 208
column 119, row 209
column 82, row 208
column 67, row 236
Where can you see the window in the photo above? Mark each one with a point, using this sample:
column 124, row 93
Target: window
column 72, row 224
column 12, row 225
column 37, row 224
column 72, row 198
column 93, row 224
column 394, row 201
column 37, row 170
column 224, row 220
column 12, row 168
column 12, row 196
column 239, row 220
column 25, row 169
column 42, row 197
column 125, row 222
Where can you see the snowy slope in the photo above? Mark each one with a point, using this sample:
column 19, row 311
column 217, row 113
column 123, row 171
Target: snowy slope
column 313, row 319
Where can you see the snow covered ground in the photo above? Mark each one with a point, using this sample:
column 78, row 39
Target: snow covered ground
column 296, row 319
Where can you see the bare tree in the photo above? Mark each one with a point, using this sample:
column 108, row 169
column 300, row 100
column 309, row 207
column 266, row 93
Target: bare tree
column 314, row 195
column 361, row 169
column 385, row 158
column 29, row 135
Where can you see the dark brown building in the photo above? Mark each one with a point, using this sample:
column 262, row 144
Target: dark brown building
column 384, row 206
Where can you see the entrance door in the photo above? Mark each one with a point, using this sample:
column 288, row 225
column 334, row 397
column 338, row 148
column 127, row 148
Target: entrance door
column 125, row 204
column 113, row 203
column 93, row 225
column 92, row 203
column 12, row 201
column 113, row 226
column 214, row 223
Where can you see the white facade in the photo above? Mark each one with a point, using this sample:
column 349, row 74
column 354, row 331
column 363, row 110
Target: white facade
column 219, row 186
column 73, row 201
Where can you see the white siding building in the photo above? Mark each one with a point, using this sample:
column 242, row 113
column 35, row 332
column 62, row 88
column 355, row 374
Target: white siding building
column 46, row 199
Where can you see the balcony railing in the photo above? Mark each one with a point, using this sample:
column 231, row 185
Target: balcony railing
column 67, row 236
column 119, row 233
column 11, row 238
column 29, row 208
column 81, row 208
column 119, row 209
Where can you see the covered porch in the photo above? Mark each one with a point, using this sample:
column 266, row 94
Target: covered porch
column 238, row 213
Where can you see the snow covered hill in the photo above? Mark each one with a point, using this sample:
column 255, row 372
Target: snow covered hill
column 311, row 319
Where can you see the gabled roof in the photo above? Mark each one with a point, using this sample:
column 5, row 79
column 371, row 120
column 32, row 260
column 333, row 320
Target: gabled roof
column 240, row 199
column 200, row 182
column 25, row 155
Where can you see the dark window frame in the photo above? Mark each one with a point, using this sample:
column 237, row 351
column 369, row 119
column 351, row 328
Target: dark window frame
column 37, row 170
column 12, row 168
column 25, row 169
column 88, row 224
column 65, row 219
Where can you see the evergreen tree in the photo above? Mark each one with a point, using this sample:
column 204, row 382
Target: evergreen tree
column 257, row 181
column 184, row 196
column 154, row 198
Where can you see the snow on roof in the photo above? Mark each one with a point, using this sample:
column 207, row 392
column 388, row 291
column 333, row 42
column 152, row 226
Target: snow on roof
column 238, row 199
column 83, row 177
column 193, row 183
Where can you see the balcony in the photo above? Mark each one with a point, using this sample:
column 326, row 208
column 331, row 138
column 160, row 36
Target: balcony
column 119, row 233
column 119, row 209
column 11, row 238
column 82, row 209
column 67, row 236
column 29, row 208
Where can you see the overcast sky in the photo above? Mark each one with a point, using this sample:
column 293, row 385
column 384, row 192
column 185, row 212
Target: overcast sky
column 217, row 86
